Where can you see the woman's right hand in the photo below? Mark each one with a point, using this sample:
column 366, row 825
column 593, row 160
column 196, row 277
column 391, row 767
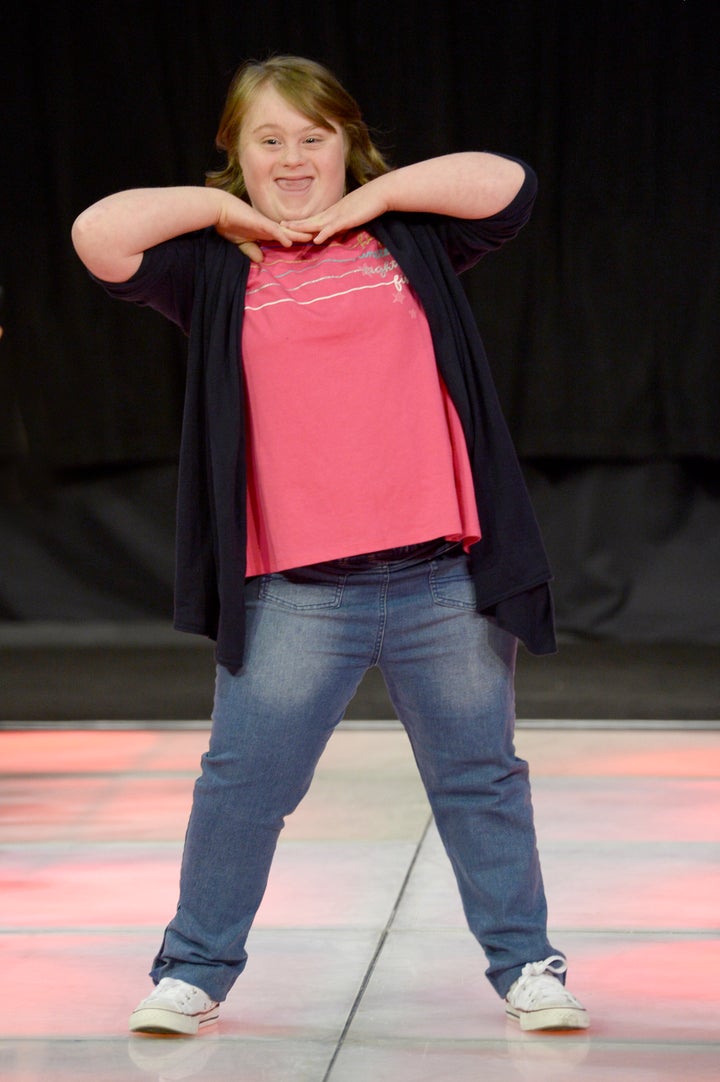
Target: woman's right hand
column 111, row 235
column 244, row 226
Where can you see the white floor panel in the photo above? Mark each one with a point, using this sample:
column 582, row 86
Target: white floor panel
column 135, row 886
column 597, row 885
column 359, row 970
column 297, row 983
column 432, row 987
column 535, row 1059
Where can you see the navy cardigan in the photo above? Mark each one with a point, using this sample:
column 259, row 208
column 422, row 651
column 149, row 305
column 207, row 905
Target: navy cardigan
column 198, row 281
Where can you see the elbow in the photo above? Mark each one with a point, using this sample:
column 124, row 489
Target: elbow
column 83, row 235
column 95, row 242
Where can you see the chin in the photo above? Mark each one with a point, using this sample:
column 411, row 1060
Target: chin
column 292, row 212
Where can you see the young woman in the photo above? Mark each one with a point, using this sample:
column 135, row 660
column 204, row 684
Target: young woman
column 348, row 497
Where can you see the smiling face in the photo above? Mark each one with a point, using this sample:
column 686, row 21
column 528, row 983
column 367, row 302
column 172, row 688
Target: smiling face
column 292, row 167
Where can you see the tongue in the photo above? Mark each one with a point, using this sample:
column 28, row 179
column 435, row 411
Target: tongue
column 299, row 184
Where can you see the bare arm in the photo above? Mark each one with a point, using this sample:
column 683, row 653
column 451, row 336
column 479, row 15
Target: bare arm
column 472, row 185
column 112, row 234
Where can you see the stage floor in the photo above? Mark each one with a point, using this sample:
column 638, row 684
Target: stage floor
column 361, row 967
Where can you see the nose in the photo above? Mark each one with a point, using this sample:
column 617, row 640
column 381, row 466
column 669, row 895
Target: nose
column 294, row 154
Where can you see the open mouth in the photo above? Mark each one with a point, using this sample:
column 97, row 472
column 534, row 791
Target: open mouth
column 294, row 184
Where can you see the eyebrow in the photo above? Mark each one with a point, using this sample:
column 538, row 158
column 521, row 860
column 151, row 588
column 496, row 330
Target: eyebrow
column 276, row 127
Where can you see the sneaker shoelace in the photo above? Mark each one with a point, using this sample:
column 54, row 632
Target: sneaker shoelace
column 181, row 992
column 538, row 981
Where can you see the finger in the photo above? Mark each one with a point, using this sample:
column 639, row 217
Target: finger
column 252, row 251
column 316, row 229
column 324, row 234
column 308, row 226
column 296, row 233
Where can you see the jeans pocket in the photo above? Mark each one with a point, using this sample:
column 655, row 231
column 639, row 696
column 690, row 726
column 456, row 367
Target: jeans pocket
column 296, row 591
column 451, row 584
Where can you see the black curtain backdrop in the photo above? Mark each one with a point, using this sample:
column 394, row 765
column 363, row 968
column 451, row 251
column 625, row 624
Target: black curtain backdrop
column 600, row 319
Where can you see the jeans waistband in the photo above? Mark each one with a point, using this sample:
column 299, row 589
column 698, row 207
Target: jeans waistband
column 405, row 555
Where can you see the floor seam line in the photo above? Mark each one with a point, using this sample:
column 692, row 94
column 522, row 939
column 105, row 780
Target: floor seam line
column 376, row 955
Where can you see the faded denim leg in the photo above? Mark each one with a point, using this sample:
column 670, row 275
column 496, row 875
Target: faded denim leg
column 271, row 723
column 450, row 674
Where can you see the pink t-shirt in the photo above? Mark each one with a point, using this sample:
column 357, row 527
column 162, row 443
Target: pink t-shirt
column 354, row 443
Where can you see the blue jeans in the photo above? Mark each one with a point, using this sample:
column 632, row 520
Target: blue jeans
column 312, row 634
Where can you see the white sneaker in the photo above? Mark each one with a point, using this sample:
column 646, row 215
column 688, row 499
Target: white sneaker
column 538, row 1000
column 174, row 1007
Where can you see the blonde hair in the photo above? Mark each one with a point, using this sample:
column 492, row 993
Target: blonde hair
column 316, row 93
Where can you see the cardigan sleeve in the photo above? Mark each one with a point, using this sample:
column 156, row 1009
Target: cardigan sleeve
column 467, row 241
column 164, row 281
